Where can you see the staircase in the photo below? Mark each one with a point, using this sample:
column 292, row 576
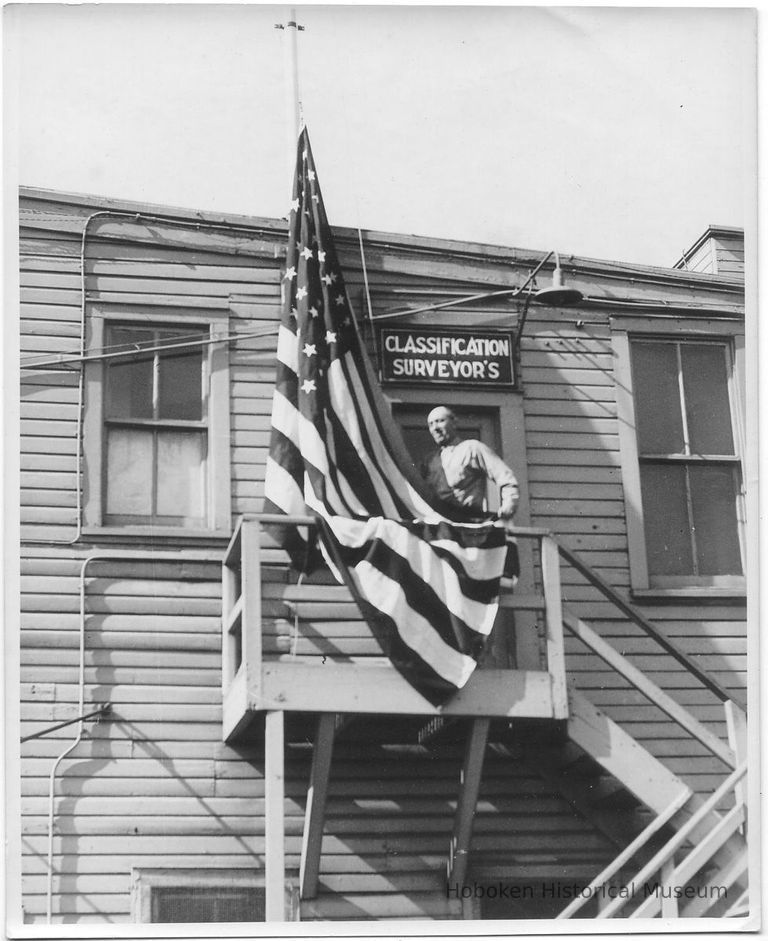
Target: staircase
column 682, row 854
column 701, row 869
column 699, row 838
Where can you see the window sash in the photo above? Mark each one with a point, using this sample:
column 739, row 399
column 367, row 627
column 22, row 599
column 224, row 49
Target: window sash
column 214, row 422
column 728, row 336
column 135, row 488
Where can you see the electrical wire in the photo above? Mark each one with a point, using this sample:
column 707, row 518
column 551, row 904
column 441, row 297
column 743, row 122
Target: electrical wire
column 118, row 350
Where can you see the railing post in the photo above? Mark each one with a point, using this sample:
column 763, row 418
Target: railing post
column 250, row 586
column 230, row 596
column 736, row 724
column 553, row 614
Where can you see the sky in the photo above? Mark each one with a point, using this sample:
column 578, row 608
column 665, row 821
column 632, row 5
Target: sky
column 614, row 133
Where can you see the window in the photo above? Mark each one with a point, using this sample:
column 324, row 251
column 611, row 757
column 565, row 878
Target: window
column 681, row 461
column 156, row 430
column 167, row 896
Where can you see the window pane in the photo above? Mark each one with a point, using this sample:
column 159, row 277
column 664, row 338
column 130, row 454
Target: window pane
column 180, row 491
column 129, row 382
column 713, row 497
column 665, row 511
column 129, row 472
column 181, row 385
column 657, row 398
column 706, row 398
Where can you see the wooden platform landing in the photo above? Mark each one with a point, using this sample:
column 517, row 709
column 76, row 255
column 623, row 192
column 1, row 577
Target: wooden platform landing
column 377, row 688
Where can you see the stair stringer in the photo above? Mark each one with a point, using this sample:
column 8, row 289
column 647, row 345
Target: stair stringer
column 645, row 776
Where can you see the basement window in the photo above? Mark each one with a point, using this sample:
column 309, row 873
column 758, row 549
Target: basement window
column 198, row 896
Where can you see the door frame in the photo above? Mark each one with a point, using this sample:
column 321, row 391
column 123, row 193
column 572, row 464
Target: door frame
column 507, row 406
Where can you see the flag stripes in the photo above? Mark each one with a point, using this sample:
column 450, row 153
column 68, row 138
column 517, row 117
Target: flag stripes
column 425, row 577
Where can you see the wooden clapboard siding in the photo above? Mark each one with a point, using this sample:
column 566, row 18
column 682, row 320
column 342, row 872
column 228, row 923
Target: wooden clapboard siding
column 720, row 250
column 411, row 798
column 153, row 785
column 575, row 491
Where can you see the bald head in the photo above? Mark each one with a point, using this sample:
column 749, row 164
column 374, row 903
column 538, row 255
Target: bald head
column 442, row 425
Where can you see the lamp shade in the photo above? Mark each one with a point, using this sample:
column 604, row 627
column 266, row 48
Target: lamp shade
column 558, row 295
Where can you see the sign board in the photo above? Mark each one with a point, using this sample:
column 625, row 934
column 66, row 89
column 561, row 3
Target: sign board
column 450, row 357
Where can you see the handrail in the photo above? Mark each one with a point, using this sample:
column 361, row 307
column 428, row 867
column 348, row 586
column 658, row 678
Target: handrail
column 650, row 690
column 627, row 853
column 669, row 849
column 592, row 577
column 648, row 626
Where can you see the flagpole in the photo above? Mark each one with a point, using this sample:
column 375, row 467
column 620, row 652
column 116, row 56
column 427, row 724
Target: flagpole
column 292, row 86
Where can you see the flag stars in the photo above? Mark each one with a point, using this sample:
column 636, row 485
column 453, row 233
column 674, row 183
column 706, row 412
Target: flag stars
column 330, row 336
column 294, row 205
column 290, row 274
column 321, row 256
column 327, row 279
column 333, row 277
column 300, row 293
column 310, row 349
column 314, row 312
column 307, row 253
column 339, row 299
column 308, row 386
column 311, row 174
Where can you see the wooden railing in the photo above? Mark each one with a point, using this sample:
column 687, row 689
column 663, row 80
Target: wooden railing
column 673, row 875
column 698, row 820
column 242, row 637
column 648, row 627
column 245, row 650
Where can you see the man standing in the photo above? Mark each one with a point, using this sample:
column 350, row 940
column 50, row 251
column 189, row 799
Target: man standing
column 458, row 470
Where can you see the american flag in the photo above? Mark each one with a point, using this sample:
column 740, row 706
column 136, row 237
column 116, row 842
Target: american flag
column 425, row 577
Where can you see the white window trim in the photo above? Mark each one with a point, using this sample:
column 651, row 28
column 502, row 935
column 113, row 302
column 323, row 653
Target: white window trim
column 219, row 511
column 677, row 328
column 143, row 880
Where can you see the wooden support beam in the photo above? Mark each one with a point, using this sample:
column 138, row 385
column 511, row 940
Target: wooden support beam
column 297, row 684
column 642, row 774
column 314, row 815
column 274, row 822
column 553, row 615
column 471, row 775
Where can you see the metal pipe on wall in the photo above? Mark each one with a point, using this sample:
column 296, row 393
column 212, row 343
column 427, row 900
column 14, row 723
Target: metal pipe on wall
column 114, row 556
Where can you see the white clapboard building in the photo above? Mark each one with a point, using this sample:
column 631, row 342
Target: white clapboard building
column 206, row 737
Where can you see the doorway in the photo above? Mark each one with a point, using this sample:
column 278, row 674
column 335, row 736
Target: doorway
column 482, row 424
column 470, row 423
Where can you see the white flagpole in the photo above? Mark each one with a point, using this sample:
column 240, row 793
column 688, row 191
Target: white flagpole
column 292, row 85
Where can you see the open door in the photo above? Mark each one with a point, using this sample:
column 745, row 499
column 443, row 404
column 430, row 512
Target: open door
column 471, row 423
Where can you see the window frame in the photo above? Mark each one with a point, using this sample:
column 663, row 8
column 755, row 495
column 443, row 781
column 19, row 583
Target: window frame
column 144, row 880
column 681, row 330
column 216, row 368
